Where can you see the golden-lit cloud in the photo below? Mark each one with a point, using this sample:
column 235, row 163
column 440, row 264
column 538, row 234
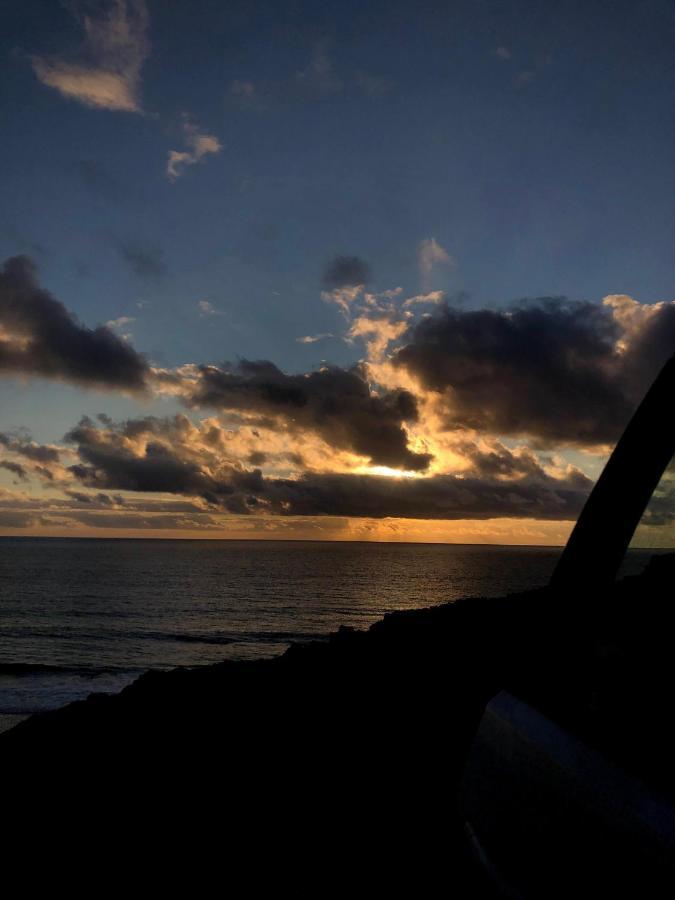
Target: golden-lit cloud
column 377, row 333
column 108, row 74
column 199, row 144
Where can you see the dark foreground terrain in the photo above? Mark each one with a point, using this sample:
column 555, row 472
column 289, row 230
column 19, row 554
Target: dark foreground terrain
column 341, row 760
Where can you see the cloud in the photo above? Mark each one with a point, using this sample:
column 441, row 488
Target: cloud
column 431, row 254
column 318, row 80
column 313, row 338
column 550, row 369
column 417, row 431
column 15, row 468
column 12, row 519
column 109, row 73
column 319, row 77
column 40, row 337
column 159, row 456
column 121, row 326
column 338, row 404
column 432, row 297
column 100, row 500
column 136, row 520
column 23, row 446
column 344, row 298
column 120, row 322
column 105, row 511
column 207, row 309
column 144, row 260
column 378, row 333
column 437, row 497
column 346, row 272
column 173, row 455
column 345, row 277
column 246, row 95
column 200, row 145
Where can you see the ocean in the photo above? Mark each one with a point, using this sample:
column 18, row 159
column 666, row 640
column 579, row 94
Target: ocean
column 83, row 616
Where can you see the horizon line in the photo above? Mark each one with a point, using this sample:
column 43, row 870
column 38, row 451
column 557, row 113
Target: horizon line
column 27, row 537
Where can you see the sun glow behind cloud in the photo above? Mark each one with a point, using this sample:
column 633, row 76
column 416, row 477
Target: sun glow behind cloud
column 386, row 472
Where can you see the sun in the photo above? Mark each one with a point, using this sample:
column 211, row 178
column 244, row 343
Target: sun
column 389, row 473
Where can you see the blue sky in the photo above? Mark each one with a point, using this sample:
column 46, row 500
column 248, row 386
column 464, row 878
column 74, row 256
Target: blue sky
column 533, row 142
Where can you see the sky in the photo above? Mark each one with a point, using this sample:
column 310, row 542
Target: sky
column 337, row 270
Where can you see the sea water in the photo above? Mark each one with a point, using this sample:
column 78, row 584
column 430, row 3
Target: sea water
column 83, row 616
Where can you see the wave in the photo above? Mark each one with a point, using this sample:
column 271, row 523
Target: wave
column 186, row 637
column 244, row 637
column 18, row 669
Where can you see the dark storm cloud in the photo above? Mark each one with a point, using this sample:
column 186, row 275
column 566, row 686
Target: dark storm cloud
column 39, row 336
column 144, row 260
column 335, row 403
column 345, row 271
column 548, row 369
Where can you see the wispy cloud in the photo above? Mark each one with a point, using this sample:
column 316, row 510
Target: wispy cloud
column 431, row 254
column 207, row 309
column 108, row 76
column 319, row 79
column 246, row 95
column 320, row 75
column 431, row 297
column 313, row 338
column 199, row 143
column 144, row 260
column 121, row 326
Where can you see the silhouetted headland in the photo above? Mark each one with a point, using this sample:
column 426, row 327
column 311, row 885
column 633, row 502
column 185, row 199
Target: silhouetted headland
column 365, row 735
